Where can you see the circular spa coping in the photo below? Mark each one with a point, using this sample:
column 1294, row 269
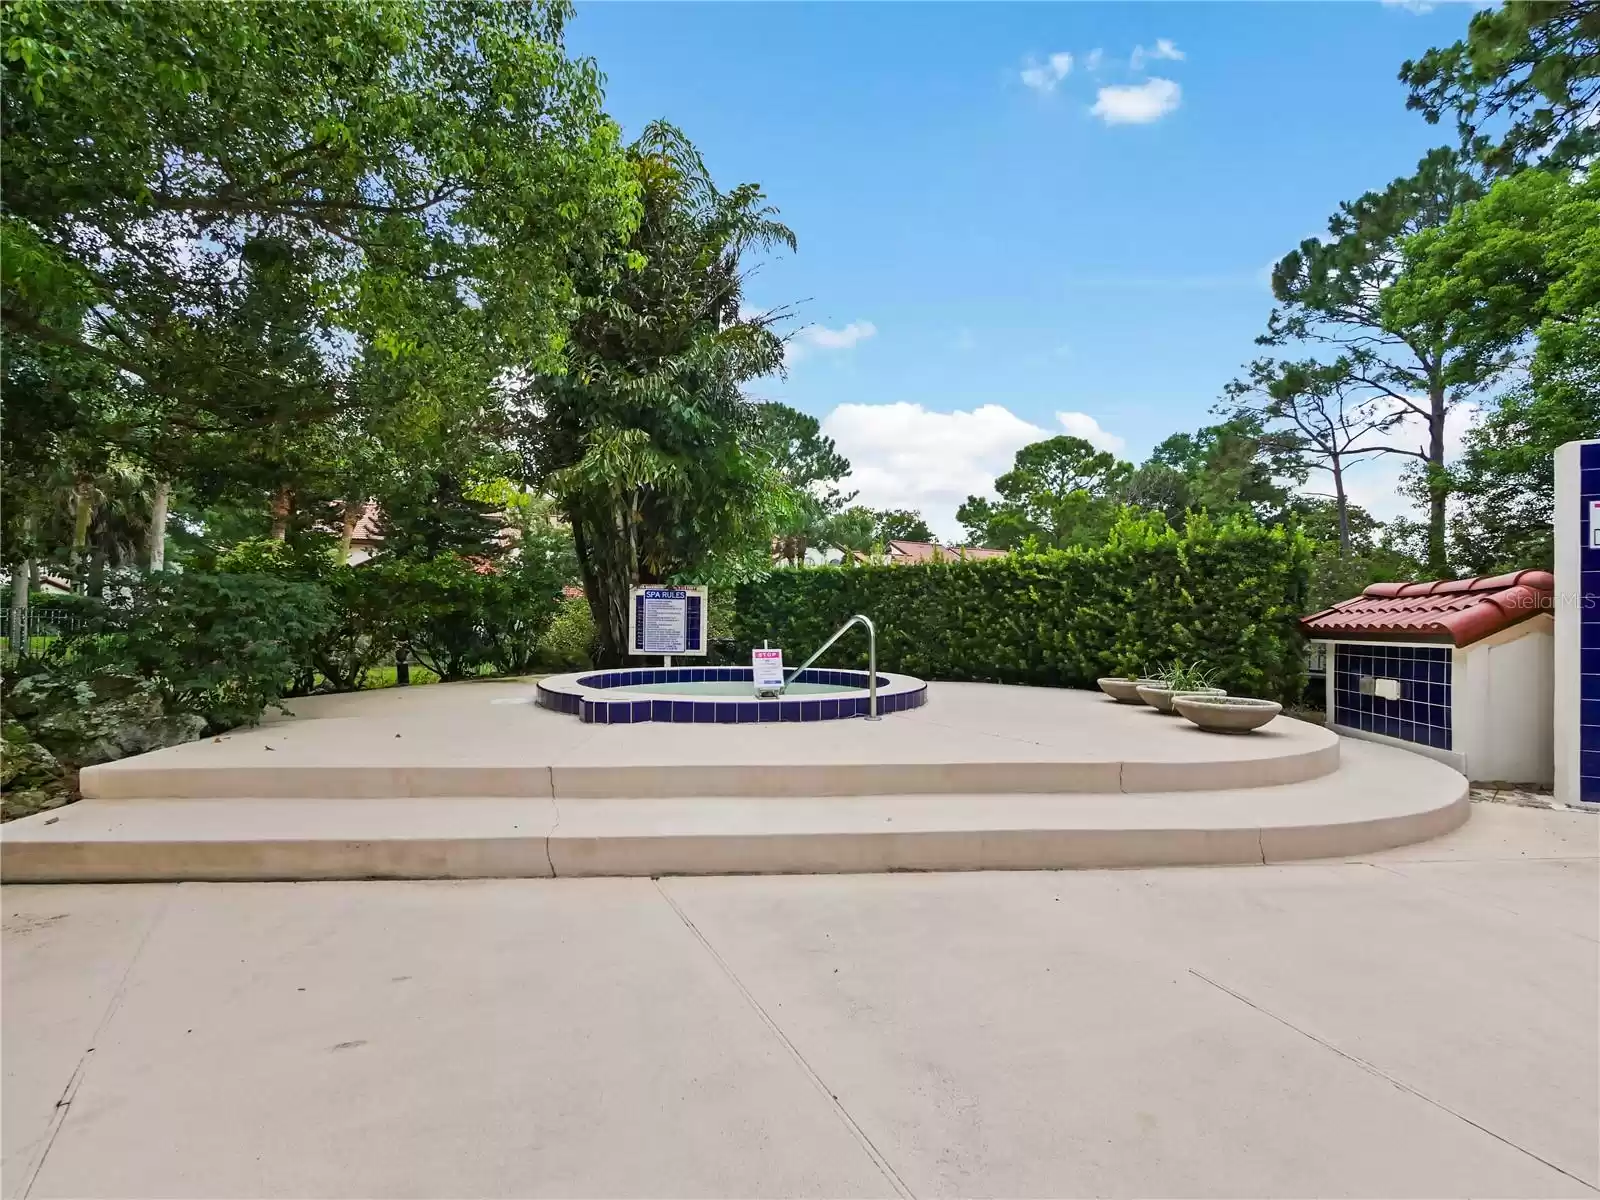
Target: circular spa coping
column 634, row 695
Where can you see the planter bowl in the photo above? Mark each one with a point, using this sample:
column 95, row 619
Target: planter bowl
column 1123, row 691
column 1227, row 714
column 1160, row 698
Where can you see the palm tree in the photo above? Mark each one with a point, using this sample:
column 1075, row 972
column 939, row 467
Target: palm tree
column 647, row 441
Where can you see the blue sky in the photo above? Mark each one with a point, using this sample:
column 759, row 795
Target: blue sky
column 992, row 236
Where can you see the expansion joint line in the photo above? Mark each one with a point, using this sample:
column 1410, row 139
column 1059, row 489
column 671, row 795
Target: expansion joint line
column 70, row 1092
column 1372, row 1069
column 840, row 1111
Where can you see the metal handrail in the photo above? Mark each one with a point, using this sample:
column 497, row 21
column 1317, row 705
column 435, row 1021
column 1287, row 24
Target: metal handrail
column 872, row 661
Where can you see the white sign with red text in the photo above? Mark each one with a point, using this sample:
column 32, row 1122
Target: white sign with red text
column 766, row 669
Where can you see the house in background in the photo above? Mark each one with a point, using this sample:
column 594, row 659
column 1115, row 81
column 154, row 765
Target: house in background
column 900, row 553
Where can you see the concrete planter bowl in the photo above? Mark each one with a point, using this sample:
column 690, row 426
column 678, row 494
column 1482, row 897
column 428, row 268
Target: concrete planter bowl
column 1160, row 698
column 1227, row 714
column 1121, row 689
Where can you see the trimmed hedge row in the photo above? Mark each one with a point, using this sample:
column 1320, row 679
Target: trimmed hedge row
column 1227, row 594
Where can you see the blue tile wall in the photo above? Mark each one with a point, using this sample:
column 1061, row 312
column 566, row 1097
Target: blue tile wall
column 693, row 623
column 721, row 711
column 1421, row 715
column 1588, row 630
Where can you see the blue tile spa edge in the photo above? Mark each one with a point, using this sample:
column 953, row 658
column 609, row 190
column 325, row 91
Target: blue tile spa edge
column 583, row 695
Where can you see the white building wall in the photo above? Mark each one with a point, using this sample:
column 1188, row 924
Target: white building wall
column 1503, row 706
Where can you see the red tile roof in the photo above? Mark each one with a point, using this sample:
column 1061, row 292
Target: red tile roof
column 1462, row 610
column 924, row 552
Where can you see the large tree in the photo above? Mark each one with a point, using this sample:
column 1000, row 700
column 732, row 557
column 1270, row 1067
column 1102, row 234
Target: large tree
column 646, row 439
column 812, row 467
column 1331, row 295
column 1524, row 85
column 1059, row 492
column 1236, row 467
column 227, row 207
column 1311, row 407
column 1518, row 269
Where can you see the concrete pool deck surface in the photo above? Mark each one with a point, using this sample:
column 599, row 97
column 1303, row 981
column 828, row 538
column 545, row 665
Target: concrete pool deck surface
column 474, row 781
column 1418, row 1022
column 487, row 739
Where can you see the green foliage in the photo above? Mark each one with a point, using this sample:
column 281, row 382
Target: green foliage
column 268, row 252
column 899, row 524
column 1181, row 676
column 1229, row 592
column 1504, row 482
column 568, row 645
column 1331, row 293
column 646, row 440
column 811, row 468
column 1340, row 570
column 433, row 515
column 224, row 646
column 1528, row 69
column 1060, row 492
column 457, row 617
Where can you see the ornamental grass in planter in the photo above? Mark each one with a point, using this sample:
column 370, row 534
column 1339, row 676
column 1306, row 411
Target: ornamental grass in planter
column 1179, row 679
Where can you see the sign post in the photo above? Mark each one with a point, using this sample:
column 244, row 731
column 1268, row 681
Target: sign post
column 766, row 671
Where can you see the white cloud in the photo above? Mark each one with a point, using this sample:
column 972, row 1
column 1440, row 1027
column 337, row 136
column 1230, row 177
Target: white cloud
column 906, row 456
column 1093, row 59
column 1082, row 425
column 820, row 337
column 1163, row 49
column 1413, row 6
column 1043, row 77
column 1137, row 104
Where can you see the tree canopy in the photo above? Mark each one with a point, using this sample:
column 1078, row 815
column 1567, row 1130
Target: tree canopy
column 645, row 437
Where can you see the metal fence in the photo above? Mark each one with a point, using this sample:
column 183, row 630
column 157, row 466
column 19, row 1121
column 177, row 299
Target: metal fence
column 36, row 631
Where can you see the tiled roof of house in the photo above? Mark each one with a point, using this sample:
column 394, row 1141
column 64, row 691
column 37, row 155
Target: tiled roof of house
column 922, row 552
column 1462, row 610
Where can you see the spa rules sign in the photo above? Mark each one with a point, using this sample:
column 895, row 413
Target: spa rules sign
column 766, row 669
column 667, row 620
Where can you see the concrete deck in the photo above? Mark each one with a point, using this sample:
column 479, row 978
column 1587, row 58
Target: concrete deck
column 488, row 739
column 1420, row 1022
column 473, row 781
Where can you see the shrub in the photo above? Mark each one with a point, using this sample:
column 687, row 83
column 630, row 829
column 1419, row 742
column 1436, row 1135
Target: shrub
column 349, row 644
column 568, row 645
column 457, row 617
column 222, row 646
column 1229, row 593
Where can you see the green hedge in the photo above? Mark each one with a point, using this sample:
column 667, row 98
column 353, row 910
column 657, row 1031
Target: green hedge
column 1225, row 593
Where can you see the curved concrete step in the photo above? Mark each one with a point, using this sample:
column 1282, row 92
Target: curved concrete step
column 1380, row 797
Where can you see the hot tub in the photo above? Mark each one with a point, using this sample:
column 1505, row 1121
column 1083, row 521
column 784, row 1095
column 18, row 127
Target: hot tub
column 721, row 696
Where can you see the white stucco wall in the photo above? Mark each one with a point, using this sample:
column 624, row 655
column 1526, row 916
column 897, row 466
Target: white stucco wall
column 1503, row 718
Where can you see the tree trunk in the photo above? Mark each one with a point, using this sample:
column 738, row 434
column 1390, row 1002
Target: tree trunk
column 158, row 525
column 605, row 560
column 1342, row 505
column 282, row 506
column 97, row 572
column 1438, row 489
column 17, row 625
column 352, row 517
column 82, row 513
